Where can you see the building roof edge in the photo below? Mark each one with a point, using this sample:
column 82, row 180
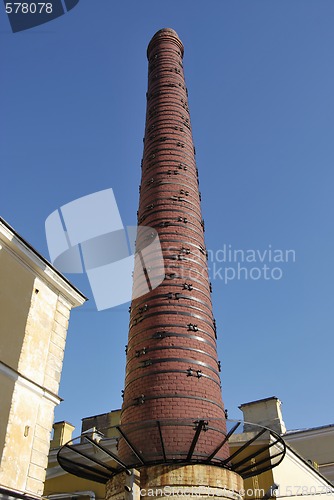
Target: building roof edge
column 40, row 264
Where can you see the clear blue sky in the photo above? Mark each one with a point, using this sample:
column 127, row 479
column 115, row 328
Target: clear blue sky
column 260, row 76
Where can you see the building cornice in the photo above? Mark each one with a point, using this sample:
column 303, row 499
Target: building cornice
column 24, row 252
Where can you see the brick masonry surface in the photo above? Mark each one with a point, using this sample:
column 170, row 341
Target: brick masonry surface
column 172, row 369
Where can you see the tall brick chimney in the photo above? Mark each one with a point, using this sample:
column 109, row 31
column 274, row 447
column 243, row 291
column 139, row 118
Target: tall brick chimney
column 172, row 369
column 173, row 428
column 173, row 414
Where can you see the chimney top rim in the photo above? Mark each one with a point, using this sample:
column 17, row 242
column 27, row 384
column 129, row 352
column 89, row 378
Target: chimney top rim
column 166, row 30
column 271, row 398
column 62, row 422
column 167, row 33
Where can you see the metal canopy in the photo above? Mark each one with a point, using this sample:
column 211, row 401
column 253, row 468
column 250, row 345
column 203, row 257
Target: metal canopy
column 251, row 453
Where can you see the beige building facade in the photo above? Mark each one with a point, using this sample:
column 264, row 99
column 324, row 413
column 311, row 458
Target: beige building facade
column 35, row 305
column 60, row 484
column 317, row 446
column 307, row 469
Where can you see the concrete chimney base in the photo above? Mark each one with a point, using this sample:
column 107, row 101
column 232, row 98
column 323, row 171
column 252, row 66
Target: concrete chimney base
column 174, row 482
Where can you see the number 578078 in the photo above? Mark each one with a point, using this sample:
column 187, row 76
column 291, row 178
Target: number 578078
column 28, row 8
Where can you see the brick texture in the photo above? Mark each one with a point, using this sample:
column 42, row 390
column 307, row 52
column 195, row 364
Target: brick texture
column 172, row 369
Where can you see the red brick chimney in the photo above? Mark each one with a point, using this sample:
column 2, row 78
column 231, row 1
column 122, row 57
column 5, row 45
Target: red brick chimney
column 172, row 436
column 172, row 370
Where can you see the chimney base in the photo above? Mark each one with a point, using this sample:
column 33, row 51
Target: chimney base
column 161, row 482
